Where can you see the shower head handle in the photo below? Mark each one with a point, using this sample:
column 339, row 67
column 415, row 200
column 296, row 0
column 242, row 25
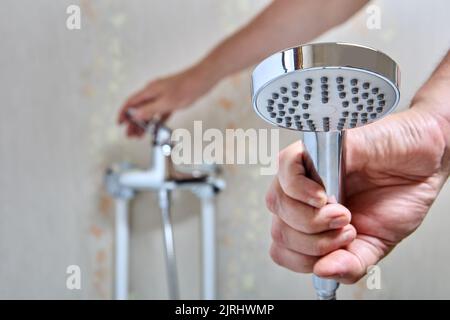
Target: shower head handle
column 325, row 152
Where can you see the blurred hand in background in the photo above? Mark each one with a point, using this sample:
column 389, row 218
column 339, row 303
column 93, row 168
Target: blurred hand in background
column 159, row 98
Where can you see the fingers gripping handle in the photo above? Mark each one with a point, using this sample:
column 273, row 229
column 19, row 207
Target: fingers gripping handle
column 325, row 150
column 326, row 157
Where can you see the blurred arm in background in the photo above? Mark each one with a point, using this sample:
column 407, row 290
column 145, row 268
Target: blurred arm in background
column 284, row 23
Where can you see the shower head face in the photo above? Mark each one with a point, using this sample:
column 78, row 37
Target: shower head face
column 325, row 87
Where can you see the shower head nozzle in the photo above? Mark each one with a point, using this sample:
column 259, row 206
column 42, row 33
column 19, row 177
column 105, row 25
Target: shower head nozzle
column 325, row 87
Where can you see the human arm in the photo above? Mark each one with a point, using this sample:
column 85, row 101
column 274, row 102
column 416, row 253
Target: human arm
column 283, row 23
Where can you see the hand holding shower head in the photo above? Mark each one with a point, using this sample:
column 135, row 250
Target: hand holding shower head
column 323, row 89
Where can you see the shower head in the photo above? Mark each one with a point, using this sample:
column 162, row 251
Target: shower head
column 325, row 87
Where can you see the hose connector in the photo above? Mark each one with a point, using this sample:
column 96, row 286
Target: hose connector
column 325, row 288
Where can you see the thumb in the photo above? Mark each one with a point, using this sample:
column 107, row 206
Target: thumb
column 350, row 264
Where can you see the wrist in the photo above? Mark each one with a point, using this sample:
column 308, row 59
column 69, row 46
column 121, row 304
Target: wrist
column 437, row 122
column 434, row 97
column 207, row 73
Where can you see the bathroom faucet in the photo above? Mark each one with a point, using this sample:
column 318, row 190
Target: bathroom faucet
column 124, row 180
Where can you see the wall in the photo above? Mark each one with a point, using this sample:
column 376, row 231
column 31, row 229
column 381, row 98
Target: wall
column 60, row 92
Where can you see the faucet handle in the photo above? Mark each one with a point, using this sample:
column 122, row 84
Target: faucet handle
column 159, row 132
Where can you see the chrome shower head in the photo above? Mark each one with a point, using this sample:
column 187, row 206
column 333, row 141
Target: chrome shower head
column 325, row 87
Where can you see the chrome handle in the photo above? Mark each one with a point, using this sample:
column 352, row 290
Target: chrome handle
column 326, row 152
